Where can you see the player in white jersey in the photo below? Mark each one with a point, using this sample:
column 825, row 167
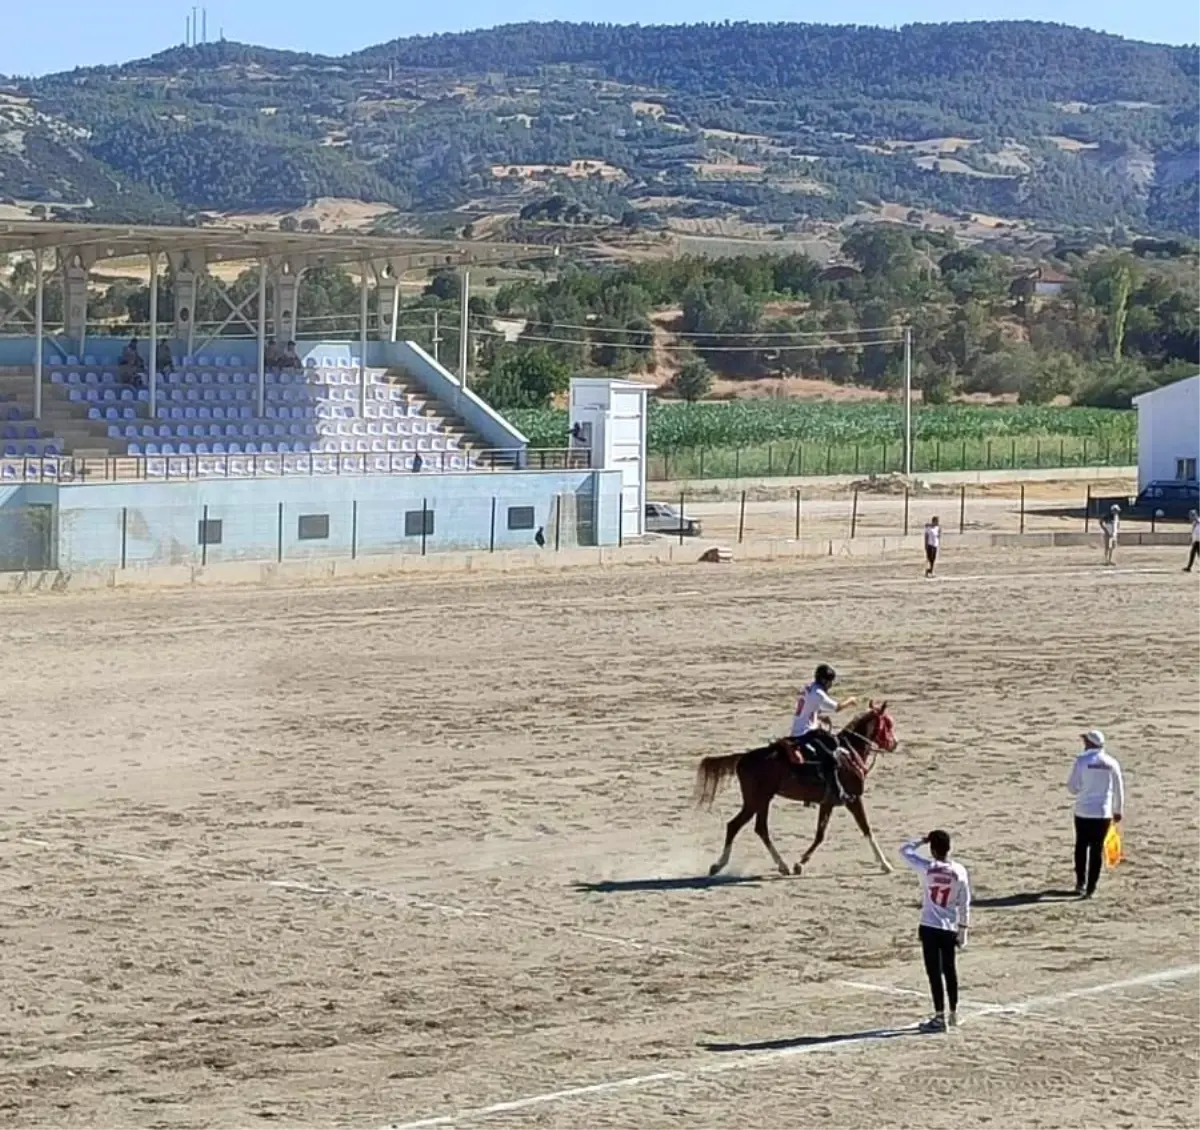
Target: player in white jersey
column 815, row 742
column 1098, row 786
column 1194, row 552
column 933, row 542
column 1110, row 527
column 945, row 917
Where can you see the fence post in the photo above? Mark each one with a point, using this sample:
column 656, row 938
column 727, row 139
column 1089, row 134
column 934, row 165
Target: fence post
column 1022, row 508
column 854, row 513
column 857, row 452
column 1129, row 450
column 621, row 519
column 124, row 528
column 884, row 468
column 1012, row 455
column 742, row 519
column 492, row 535
column 701, row 475
column 962, row 508
column 681, row 504
column 1038, row 456
column 962, row 458
column 989, row 454
column 1087, row 510
column 1062, row 451
column 797, row 513
column 279, row 536
column 770, row 459
column 204, row 538
column 906, row 511
column 353, row 529
column 828, row 459
column 424, row 523
column 799, row 460
column 1084, row 461
column 557, row 522
column 737, row 462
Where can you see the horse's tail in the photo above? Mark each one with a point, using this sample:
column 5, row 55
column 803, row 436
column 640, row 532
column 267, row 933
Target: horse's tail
column 711, row 774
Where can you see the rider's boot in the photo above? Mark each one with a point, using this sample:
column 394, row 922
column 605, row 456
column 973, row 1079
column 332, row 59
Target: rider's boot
column 834, row 793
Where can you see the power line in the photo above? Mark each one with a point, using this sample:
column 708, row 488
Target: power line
column 698, row 333
column 651, row 347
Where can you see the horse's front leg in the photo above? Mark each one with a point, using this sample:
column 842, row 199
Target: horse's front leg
column 764, row 834
column 859, row 812
column 823, row 815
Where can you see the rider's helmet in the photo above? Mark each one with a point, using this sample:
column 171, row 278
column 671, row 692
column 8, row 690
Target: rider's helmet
column 825, row 676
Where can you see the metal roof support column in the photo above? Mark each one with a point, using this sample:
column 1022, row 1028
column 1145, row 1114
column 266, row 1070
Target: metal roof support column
column 262, row 338
column 39, row 330
column 152, row 348
column 362, row 339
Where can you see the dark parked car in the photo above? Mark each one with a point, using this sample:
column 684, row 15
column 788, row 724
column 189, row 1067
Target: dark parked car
column 1167, row 499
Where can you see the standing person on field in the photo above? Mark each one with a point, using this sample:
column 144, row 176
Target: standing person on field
column 1194, row 552
column 1110, row 528
column 945, row 918
column 933, row 542
column 1098, row 786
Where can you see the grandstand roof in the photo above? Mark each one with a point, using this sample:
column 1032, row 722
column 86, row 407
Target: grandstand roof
column 113, row 241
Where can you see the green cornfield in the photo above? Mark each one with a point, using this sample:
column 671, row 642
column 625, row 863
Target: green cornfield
column 721, row 440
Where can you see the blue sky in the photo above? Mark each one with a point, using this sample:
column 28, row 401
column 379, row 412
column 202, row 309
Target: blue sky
column 42, row 37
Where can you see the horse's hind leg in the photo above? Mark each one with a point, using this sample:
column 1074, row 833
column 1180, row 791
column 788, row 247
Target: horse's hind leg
column 731, row 830
column 764, row 834
column 860, row 818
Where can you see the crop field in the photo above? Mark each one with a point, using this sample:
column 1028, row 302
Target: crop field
column 721, row 440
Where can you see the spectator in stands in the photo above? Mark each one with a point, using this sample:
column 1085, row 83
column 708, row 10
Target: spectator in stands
column 418, row 462
column 163, row 361
column 131, row 366
column 272, row 355
column 291, row 359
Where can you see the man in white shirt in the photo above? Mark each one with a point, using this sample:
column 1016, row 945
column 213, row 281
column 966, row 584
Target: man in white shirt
column 1098, row 786
column 933, row 542
column 814, row 741
column 945, row 918
column 1110, row 527
column 1194, row 552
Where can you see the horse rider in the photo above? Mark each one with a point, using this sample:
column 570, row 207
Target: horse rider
column 812, row 739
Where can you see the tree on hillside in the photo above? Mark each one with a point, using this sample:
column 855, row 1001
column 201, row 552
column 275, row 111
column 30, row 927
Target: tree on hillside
column 882, row 250
column 525, row 379
column 695, row 380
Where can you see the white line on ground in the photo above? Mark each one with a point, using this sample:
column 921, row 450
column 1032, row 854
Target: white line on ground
column 897, row 991
column 372, row 894
column 758, row 1059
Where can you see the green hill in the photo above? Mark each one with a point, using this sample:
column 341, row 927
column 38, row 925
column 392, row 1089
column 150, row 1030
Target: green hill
column 768, row 123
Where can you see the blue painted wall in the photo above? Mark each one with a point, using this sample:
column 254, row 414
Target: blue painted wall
column 158, row 523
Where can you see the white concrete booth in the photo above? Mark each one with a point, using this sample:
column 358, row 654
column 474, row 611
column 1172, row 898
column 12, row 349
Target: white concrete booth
column 608, row 419
column 1169, row 432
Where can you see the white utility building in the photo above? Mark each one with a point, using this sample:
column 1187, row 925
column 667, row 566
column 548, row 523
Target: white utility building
column 1169, row 432
column 608, row 418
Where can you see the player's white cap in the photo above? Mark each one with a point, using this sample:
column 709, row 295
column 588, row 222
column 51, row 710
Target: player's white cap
column 1094, row 738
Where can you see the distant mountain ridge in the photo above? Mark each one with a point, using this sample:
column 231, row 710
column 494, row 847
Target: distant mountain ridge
column 771, row 123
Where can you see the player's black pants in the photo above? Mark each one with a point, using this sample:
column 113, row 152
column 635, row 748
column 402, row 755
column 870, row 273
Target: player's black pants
column 1089, row 851
column 939, row 950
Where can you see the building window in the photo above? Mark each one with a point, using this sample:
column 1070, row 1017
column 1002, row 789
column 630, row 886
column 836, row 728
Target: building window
column 1185, row 469
column 413, row 522
column 209, row 533
column 313, row 527
column 520, row 518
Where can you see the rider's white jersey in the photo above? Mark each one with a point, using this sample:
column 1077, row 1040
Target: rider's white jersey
column 813, row 701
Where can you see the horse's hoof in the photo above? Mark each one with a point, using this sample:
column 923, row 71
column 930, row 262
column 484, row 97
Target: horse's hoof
column 783, row 870
column 715, row 869
column 888, row 868
column 798, row 869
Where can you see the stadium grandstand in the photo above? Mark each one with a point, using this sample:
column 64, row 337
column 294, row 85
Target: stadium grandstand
column 248, row 397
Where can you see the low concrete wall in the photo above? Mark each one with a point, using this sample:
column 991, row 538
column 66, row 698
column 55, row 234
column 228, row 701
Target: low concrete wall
column 663, row 552
column 668, row 489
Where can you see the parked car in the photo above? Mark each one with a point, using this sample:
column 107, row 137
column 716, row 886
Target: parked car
column 1167, row 499
column 663, row 518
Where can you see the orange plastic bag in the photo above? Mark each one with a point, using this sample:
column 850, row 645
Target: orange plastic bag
column 1112, row 846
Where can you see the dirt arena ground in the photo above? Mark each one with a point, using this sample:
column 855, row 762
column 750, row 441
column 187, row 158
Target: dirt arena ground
column 422, row 853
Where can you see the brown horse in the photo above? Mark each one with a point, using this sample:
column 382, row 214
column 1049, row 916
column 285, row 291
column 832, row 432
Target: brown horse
column 769, row 771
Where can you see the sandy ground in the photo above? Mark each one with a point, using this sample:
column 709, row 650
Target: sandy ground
column 424, row 850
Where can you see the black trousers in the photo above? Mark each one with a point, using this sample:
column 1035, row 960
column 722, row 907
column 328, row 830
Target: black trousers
column 930, row 557
column 1193, row 553
column 1089, row 851
column 939, row 949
